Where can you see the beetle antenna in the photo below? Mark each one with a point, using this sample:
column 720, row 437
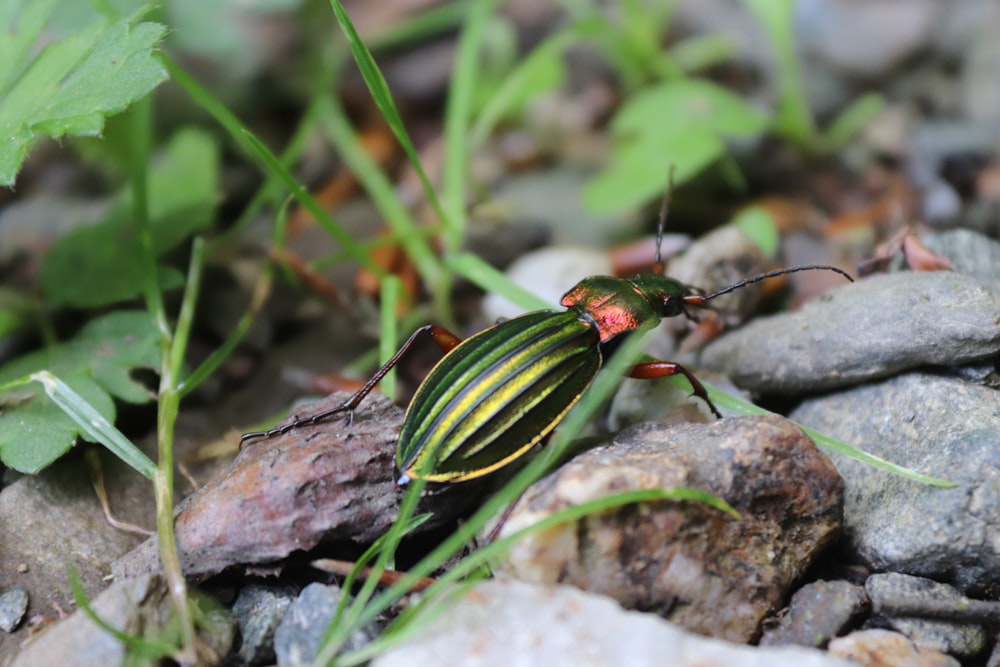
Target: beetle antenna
column 658, row 267
column 774, row 274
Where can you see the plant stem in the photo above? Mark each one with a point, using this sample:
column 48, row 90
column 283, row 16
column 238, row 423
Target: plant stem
column 163, row 480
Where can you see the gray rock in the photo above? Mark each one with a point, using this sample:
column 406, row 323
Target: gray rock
column 936, row 425
column 979, row 96
column 883, row 648
column 515, row 624
column 718, row 259
column 693, row 564
column 297, row 639
column 13, row 607
column 894, row 590
column 864, row 39
column 863, row 331
column 54, row 518
column 138, row 606
column 971, row 253
column 817, row 612
column 258, row 610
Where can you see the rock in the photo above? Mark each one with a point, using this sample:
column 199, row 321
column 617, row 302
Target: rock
column 718, row 259
column 663, row 400
column 936, row 425
column 298, row 636
column 971, row 253
column 287, row 493
column 138, row 606
column 817, row 612
column 864, row 331
column 515, row 624
column 882, row 648
column 980, row 100
column 691, row 563
column 894, row 590
column 54, row 518
column 258, row 610
column 13, row 607
column 864, row 39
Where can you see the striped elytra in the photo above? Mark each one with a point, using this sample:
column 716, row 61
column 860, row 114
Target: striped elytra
column 496, row 395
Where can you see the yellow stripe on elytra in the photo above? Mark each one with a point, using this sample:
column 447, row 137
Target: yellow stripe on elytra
column 467, row 375
column 537, row 393
column 496, row 465
column 498, row 378
column 439, row 439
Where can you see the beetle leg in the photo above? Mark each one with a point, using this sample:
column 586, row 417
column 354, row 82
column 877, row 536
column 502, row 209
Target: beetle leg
column 441, row 336
column 659, row 369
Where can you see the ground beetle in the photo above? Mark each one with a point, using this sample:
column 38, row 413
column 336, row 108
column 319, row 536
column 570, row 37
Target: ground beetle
column 502, row 391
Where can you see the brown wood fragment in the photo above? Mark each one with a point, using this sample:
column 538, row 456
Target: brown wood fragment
column 331, row 481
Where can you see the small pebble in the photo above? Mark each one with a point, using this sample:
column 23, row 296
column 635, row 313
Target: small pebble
column 13, row 607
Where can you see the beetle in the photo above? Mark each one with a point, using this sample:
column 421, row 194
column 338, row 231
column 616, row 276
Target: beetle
column 502, row 391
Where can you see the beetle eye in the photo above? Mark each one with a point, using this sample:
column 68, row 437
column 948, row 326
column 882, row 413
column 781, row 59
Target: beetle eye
column 673, row 306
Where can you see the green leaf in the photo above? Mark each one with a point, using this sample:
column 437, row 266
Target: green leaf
column 637, row 172
column 852, row 120
column 682, row 123
column 689, row 104
column 102, row 263
column 96, row 364
column 73, row 82
column 793, row 120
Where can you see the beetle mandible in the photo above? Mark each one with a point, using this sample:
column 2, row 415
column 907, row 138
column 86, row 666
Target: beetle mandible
column 497, row 394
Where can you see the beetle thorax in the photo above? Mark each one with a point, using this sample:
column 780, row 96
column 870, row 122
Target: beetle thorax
column 615, row 305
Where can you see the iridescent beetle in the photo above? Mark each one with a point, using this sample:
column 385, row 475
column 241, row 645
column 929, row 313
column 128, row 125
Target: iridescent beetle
column 502, row 391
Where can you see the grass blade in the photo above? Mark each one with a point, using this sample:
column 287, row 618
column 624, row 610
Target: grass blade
column 91, row 422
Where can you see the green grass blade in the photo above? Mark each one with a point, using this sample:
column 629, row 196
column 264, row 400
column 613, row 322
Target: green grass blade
column 420, row 27
column 275, row 167
column 260, row 293
column 182, row 332
column 514, row 83
column 381, row 190
column 149, row 649
column 391, row 288
column 457, row 119
column 403, row 625
column 91, row 422
column 490, row 279
column 383, row 99
column 793, row 120
column 851, row 120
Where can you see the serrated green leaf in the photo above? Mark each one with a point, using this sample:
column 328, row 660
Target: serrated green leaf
column 96, row 364
column 102, row 263
column 74, row 82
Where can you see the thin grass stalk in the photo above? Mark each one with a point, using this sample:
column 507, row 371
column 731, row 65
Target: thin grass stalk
column 141, row 117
